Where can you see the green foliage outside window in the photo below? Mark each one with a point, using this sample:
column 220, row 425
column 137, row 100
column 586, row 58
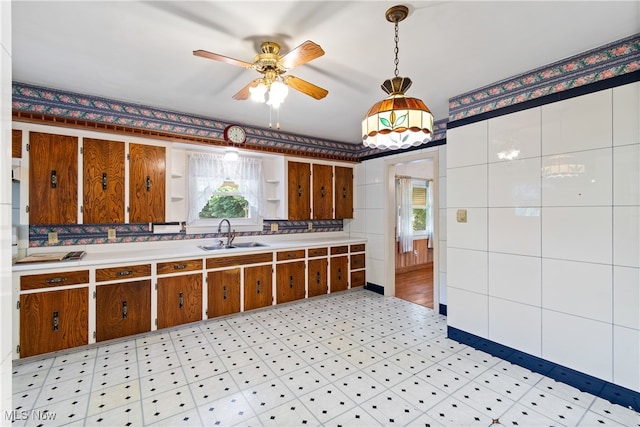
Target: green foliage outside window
column 226, row 206
column 419, row 219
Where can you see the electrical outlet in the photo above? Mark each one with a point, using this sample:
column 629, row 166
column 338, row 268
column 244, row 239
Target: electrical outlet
column 111, row 234
column 461, row 215
column 310, row 226
column 274, row 226
column 53, row 237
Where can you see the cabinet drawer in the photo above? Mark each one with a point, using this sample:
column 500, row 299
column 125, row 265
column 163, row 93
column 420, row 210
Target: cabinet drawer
column 315, row 252
column 230, row 261
column 357, row 248
column 357, row 278
column 124, row 272
column 339, row 250
column 287, row 255
column 50, row 280
column 178, row 266
column 357, row 261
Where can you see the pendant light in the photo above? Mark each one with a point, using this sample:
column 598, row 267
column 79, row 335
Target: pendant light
column 397, row 121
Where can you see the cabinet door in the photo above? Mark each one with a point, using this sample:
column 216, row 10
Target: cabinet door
column 16, row 144
column 147, row 182
column 299, row 184
column 257, row 287
column 290, row 281
column 223, row 292
column 53, row 179
column 103, row 175
column 339, row 280
column 55, row 320
column 317, row 277
column 322, row 191
column 123, row 309
column 179, row 300
column 344, row 192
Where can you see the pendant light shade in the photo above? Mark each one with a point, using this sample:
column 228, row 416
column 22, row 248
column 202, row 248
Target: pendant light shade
column 397, row 121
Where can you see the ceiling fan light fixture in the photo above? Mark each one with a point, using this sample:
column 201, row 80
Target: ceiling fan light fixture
column 230, row 154
column 398, row 121
column 278, row 91
column 258, row 93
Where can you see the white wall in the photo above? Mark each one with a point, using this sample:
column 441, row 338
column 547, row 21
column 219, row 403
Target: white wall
column 6, row 305
column 546, row 264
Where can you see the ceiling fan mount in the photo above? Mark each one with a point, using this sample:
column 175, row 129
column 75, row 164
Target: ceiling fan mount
column 271, row 64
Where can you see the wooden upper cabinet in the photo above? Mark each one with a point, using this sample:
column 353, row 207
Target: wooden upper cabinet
column 103, row 174
column 322, row 191
column 343, row 192
column 16, row 144
column 299, row 185
column 53, row 179
column 147, row 183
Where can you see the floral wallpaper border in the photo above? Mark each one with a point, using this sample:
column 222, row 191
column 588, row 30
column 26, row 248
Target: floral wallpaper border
column 611, row 60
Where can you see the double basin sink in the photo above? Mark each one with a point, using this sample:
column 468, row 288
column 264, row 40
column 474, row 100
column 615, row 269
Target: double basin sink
column 219, row 247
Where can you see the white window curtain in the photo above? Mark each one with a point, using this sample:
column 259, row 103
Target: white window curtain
column 207, row 172
column 405, row 223
column 430, row 213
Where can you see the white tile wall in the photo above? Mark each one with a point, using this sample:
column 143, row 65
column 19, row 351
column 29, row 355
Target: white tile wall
column 470, row 183
column 505, row 223
column 590, row 184
column 514, row 183
column 467, row 145
column 467, row 269
column 626, row 114
column 581, row 344
column 578, row 288
column 471, row 234
column 626, row 297
column 468, row 311
column 567, row 126
column 626, row 175
column 514, row 136
column 515, row 278
column 626, row 235
column 626, row 350
column 579, row 234
column 516, row 325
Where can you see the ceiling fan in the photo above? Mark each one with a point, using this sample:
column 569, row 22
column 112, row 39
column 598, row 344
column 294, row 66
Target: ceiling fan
column 272, row 65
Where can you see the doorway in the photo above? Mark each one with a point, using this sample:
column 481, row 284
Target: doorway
column 414, row 231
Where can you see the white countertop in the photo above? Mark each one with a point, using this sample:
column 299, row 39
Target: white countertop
column 182, row 249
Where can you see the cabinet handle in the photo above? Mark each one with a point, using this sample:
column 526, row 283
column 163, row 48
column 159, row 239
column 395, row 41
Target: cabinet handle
column 54, row 179
column 148, row 183
column 339, row 274
column 291, row 282
column 56, row 280
column 322, row 191
column 104, row 181
column 124, row 273
column 56, row 321
column 291, row 255
column 224, row 292
column 344, row 192
column 180, row 300
column 258, row 286
column 179, row 266
column 299, row 190
column 124, row 309
column 318, row 277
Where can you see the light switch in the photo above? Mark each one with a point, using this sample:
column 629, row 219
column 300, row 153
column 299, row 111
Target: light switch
column 53, row 237
column 274, row 226
column 461, row 215
column 111, row 234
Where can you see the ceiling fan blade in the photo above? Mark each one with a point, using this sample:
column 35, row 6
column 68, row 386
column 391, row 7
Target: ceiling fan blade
column 244, row 93
column 304, row 53
column 305, row 87
column 222, row 58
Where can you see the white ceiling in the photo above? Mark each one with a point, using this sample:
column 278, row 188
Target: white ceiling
column 141, row 52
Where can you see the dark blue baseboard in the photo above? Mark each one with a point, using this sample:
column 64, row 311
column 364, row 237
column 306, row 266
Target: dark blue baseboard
column 442, row 309
column 374, row 288
column 604, row 389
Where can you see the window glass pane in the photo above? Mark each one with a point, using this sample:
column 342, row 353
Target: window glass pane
column 226, row 202
column 419, row 219
column 419, row 196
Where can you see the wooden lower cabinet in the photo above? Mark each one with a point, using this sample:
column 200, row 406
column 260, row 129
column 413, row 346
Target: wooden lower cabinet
column 290, row 279
column 358, row 278
column 223, row 292
column 258, row 286
column 53, row 320
column 317, row 277
column 339, row 279
column 179, row 300
column 123, row 309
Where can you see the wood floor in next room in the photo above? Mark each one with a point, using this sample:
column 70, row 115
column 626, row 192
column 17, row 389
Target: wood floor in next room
column 416, row 285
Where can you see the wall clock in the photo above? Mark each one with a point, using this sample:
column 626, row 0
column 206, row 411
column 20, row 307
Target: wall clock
column 235, row 134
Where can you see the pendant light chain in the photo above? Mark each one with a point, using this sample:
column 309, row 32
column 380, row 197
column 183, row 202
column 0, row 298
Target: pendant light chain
column 396, row 49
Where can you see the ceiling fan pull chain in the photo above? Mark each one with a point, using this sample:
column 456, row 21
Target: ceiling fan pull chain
column 396, row 50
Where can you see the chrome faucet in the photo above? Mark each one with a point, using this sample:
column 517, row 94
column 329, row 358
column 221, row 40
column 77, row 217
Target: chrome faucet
column 230, row 235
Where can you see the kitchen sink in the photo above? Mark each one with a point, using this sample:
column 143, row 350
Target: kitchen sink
column 219, row 247
column 249, row 244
